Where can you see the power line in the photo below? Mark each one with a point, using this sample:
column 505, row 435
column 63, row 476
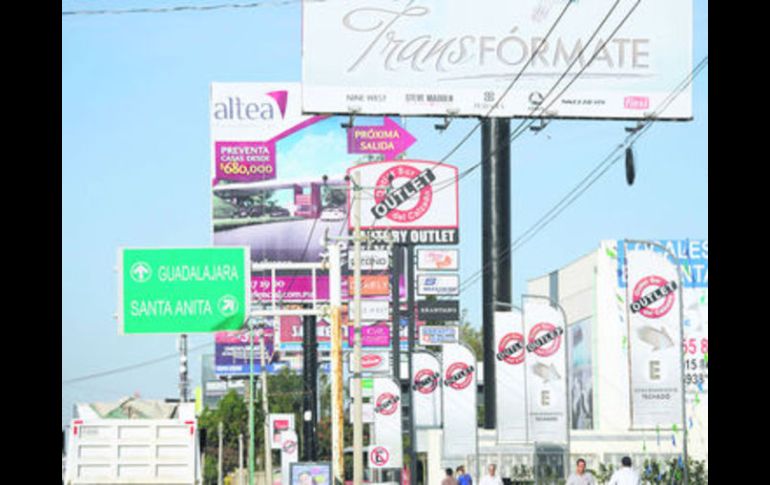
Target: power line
column 183, row 8
column 577, row 191
column 132, row 367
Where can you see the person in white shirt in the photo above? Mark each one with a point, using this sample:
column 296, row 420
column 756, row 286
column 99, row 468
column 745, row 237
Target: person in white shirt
column 491, row 478
column 581, row 476
column 625, row 475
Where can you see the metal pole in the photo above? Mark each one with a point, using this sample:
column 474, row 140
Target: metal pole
column 684, row 383
column 396, row 324
column 496, row 241
column 409, row 267
column 240, row 459
column 309, row 375
column 358, row 435
column 252, row 435
column 335, row 299
column 265, row 410
column 219, row 467
column 395, row 291
column 183, row 384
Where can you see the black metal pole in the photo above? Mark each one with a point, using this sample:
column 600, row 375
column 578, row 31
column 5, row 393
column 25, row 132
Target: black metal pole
column 395, row 292
column 496, row 242
column 309, row 377
column 410, row 349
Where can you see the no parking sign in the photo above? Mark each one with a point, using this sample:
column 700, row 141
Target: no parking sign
column 379, row 457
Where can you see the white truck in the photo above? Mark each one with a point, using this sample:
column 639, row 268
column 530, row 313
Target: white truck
column 134, row 451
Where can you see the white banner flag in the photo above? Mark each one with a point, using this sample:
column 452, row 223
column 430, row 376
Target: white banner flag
column 546, row 364
column 426, row 387
column 458, row 371
column 510, row 376
column 387, row 424
column 289, row 452
column 653, row 306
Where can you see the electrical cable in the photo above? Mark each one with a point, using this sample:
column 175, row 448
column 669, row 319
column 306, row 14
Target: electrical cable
column 630, row 139
column 183, row 8
column 133, row 366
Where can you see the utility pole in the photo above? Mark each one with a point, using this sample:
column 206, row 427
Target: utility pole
column 265, row 411
column 252, row 436
column 183, row 383
column 410, row 351
column 240, row 459
column 358, row 434
column 335, row 300
column 219, row 467
column 309, row 379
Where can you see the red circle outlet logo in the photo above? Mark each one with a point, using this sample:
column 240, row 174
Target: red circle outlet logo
column 540, row 336
column 653, row 297
column 458, row 375
column 371, row 360
column 289, row 446
column 424, row 198
column 511, row 348
column 387, row 404
column 426, row 381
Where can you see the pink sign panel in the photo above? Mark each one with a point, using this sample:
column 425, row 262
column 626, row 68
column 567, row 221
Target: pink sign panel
column 377, row 335
column 245, row 161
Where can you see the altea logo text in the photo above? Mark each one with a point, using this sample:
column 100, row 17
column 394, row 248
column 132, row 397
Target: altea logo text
column 236, row 108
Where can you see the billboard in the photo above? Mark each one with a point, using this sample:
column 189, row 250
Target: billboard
column 232, row 353
column 654, row 319
column 432, row 57
column 427, row 389
column 279, row 424
column 581, row 375
column 412, row 201
column 433, row 259
column 306, row 473
column 458, row 372
column 546, row 368
column 386, row 451
column 282, row 215
column 510, row 377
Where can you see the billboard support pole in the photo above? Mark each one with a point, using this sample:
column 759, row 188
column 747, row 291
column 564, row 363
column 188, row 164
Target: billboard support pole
column 358, row 435
column 309, row 376
column 410, row 346
column 496, row 241
column 265, row 410
column 395, row 290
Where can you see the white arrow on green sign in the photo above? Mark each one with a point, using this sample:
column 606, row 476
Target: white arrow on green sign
column 183, row 290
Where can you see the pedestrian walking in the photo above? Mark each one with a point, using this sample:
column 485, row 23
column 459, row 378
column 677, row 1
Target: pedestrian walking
column 449, row 479
column 462, row 477
column 491, row 478
column 581, row 476
column 625, row 475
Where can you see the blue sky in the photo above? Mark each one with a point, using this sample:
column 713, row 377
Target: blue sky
column 135, row 170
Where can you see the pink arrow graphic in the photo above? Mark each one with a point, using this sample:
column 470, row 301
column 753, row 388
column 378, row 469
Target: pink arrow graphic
column 389, row 139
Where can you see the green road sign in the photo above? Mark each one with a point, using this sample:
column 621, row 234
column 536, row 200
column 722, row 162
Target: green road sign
column 183, row 290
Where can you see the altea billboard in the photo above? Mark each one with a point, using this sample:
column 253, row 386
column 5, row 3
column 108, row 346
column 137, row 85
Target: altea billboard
column 432, row 57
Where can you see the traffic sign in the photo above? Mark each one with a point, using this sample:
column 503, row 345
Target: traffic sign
column 183, row 290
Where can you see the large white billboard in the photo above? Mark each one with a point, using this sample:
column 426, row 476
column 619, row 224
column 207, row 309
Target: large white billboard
column 434, row 57
column 654, row 317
